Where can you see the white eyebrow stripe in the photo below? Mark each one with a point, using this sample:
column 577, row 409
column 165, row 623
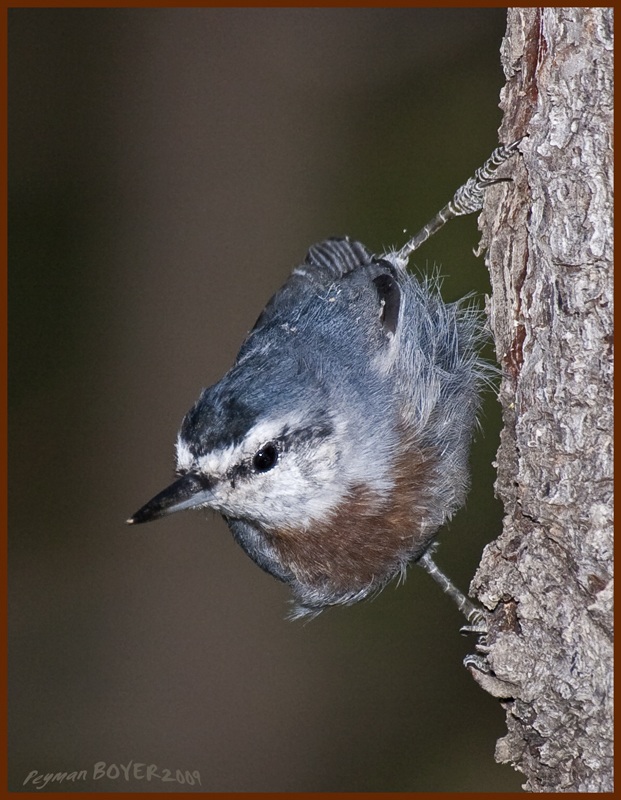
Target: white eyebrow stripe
column 183, row 454
column 218, row 462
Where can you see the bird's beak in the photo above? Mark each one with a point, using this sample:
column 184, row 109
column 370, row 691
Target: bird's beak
column 190, row 491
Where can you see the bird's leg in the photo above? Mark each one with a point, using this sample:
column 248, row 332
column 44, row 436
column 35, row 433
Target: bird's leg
column 473, row 613
column 466, row 200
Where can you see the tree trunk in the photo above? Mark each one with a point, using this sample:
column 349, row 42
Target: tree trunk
column 548, row 235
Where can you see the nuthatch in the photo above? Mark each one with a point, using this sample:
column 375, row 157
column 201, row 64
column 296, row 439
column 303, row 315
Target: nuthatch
column 337, row 444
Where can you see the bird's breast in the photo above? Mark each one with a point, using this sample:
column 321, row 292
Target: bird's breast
column 368, row 538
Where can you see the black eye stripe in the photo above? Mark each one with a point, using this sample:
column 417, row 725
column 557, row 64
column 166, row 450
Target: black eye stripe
column 265, row 458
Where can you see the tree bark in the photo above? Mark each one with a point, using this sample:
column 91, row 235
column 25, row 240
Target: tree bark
column 548, row 235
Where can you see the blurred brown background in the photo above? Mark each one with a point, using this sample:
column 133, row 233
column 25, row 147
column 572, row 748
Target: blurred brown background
column 168, row 167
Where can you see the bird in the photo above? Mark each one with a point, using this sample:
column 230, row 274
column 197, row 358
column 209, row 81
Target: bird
column 337, row 444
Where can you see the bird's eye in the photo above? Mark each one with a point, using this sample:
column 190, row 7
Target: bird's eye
column 265, row 458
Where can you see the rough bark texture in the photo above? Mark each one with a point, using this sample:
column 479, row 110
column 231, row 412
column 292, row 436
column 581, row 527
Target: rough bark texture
column 548, row 577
